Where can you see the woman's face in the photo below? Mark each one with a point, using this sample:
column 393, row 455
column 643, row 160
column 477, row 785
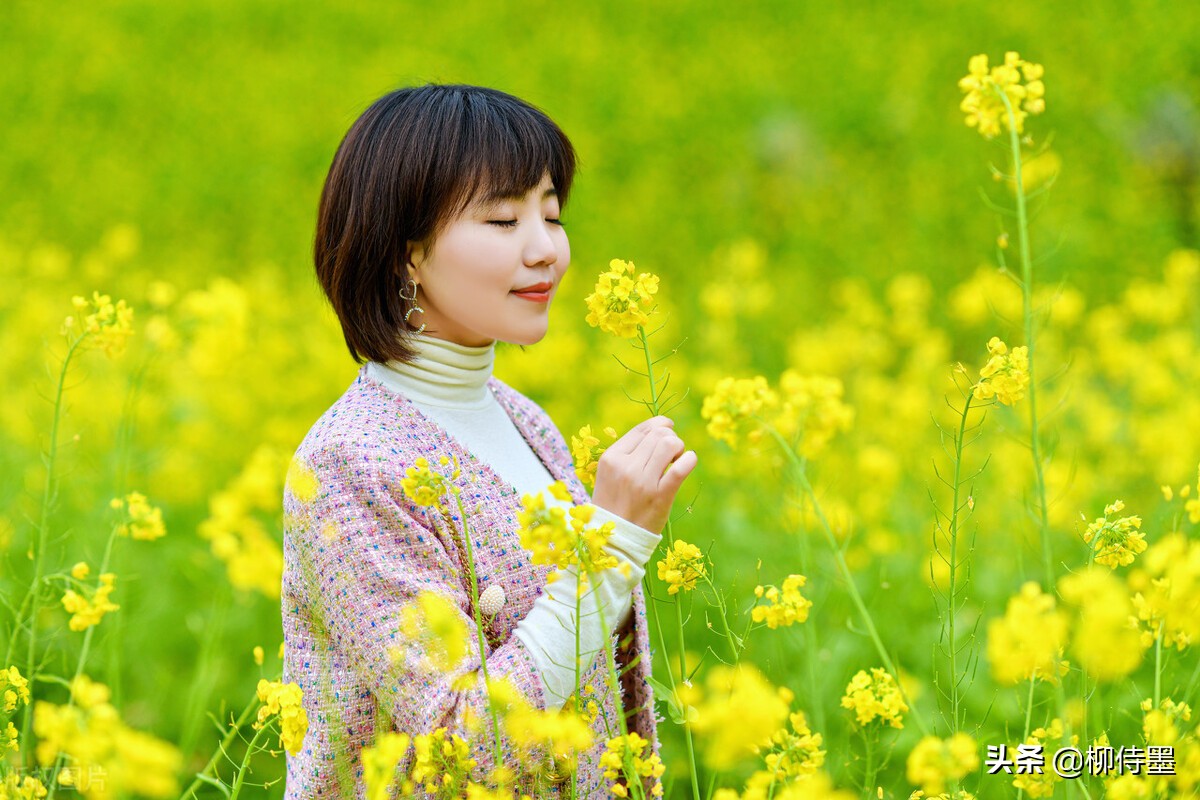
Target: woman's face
column 468, row 282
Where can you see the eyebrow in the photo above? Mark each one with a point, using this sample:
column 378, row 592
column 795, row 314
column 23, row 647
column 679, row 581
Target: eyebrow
column 494, row 196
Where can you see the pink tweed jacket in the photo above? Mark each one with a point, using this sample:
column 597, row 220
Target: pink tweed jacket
column 359, row 550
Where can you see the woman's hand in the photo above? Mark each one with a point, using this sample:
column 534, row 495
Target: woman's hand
column 638, row 475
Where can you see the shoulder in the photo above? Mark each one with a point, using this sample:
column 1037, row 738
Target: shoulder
column 368, row 424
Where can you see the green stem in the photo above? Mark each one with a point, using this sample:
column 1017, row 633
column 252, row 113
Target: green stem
column 1158, row 665
column 670, row 540
column 83, row 654
column 462, row 514
column 201, row 776
column 1027, row 293
column 243, row 767
column 578, row 696
column 869, row 774
column 951, row 616
column 811, row 639
column 847, row 575
column 1028, row 722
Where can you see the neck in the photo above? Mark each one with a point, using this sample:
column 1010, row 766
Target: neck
column 444, row 373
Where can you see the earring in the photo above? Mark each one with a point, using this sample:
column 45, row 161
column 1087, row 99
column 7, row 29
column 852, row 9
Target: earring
column 411, row 286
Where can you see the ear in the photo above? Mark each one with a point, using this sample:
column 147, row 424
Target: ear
column 414, row 259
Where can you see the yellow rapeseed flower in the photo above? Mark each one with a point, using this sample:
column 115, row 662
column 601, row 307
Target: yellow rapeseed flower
column 549, row 739
column 437, row 626
column 682, row 567
column 1116, row 541
column 811, row 406
column 645, row 763
column 794, row 752
column 285, row 700
column 1166, row 587
column 1105, row 638
column 875, row 696
column 563, row 537
column 16, row 688
column 1017, row 79
column 379, row 764
column 1042, row 784
column 935, row 762
column 621, row 302
column 1028, row 641
column 87, row 611
column 442, row 762
column 586, row 450
column 734, row 407
column 424, row 486
column 142, row 520
column 786, row 606
column 1005, row 376
column 17, row 787
column 740, row 711
column 301, row 481
column 102, row 324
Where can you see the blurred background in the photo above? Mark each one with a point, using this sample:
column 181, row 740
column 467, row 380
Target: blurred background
column 798, row 174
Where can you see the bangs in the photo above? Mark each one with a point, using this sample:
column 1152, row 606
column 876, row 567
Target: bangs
column 503, row 150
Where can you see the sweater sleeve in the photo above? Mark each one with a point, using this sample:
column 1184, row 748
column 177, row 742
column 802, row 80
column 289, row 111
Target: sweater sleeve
column 364, row 558
column 548, row 630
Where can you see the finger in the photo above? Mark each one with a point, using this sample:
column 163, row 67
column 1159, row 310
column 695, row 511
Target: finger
column 644, row 451
column 637, row 434
column 666, row 450
column 680, row 468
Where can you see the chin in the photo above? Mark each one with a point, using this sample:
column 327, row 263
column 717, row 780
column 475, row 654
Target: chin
column 527, row 337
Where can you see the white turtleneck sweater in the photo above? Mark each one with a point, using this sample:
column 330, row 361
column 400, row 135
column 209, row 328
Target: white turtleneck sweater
column 448, row 383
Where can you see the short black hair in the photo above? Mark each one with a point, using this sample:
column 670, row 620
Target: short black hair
column 413, row 161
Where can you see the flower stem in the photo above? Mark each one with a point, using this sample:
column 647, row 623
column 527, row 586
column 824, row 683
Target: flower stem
column 670, row 540
column 1027, row 293
column 203, row 775
column 462, row 514
column 33, row 596
column 847, row 575
column 951, row 616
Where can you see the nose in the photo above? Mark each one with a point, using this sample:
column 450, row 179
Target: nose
column 540, row 248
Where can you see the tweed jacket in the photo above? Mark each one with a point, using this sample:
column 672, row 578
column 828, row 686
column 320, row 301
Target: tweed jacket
column 357, row 550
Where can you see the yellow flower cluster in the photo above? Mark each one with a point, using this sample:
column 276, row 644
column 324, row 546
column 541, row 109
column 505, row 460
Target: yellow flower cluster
column 1005, row 376
column 738, row 711
column 561, row 538
column 586, row 450
column 793, row 753
column 285, row 701
column 1159, row 725
column 1166, row 589
column 875, row 696
column 238, row 536
column 424, row 486
column 986, row 90
column 142, row 520
column 1028, row 641
column 935, row 762
column 16, row 787
column 102, row 324
column 960, row 794
column 1042, row 784
column 1105, row 638
column 437, row 629
column 787, row 606
column 379, row 763
column 1118, row 541
column 16, row 688
column 811, row 406
column 621, row 302
column 636, row 750
column 550, row 739
column 735, row 408
column 103, row 757
column 682, row 567
column 87, row 610
column 442, row 762
column 301, row 481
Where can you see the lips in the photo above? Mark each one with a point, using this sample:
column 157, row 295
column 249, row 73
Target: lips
column 536, row 288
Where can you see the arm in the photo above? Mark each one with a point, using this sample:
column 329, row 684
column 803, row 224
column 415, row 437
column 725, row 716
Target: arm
column 365, row 557
column 548, row 629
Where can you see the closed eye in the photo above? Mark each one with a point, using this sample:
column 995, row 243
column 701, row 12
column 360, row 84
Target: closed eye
column 503, row 223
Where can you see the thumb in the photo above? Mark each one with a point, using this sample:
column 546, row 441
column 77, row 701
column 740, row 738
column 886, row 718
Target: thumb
column 680, row 468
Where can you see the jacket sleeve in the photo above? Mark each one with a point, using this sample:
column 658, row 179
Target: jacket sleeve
column 366, row 557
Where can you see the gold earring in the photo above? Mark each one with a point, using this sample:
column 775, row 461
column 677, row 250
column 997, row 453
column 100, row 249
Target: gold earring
column 412, row 298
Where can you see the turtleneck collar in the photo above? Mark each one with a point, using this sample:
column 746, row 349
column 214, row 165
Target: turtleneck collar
column 443, row 374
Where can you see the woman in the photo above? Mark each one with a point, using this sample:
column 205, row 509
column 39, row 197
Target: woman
column 438, row 235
